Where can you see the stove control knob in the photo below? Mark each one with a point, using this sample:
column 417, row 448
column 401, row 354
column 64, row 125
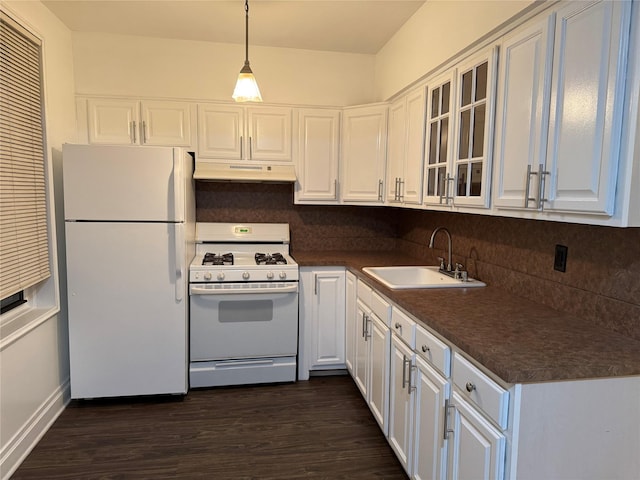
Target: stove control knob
column 282, row 275
column 245, row 275
column 220, row 276
column 207, row 276
column 270, row 275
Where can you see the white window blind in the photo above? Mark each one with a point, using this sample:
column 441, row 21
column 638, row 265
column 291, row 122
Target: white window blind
column 24, row 250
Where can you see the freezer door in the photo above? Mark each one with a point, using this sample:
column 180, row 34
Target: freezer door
column 127, row 309
column 123, row 183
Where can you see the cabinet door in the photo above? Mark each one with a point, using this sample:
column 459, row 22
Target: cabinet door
column 361, row 367
column 586, row 105
column 411, row 186
column 438, row 178
column 317, row 159
column 401, row 402
column 327, row 335
column 114, row 122
column 522, row 114
column 396, row 149
column 364, row 133
column 430, row 446
column 220, row 132
column 477, row 448
column 269, row 134
column 379, row 367
column 166, row 123
column 474, row 127
column 351, row 323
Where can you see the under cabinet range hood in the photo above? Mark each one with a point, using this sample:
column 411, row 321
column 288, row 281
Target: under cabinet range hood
column 229, row 172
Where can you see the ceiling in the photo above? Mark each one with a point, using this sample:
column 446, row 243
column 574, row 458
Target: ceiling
column 351, row 26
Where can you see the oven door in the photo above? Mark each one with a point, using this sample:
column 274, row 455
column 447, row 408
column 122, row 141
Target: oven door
column 246, row 320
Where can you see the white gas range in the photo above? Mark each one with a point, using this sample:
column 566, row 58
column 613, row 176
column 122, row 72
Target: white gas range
column 243, row 291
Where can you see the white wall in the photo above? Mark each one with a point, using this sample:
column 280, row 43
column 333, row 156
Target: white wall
column 435, row 33
column 107, row 64
column 34, row 369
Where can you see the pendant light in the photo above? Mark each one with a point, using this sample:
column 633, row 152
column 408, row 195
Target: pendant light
column 246, row 87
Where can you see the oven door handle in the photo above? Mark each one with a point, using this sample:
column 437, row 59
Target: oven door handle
column 195, row 290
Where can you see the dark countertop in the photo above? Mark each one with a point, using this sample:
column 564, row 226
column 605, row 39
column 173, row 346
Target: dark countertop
column 517, row 339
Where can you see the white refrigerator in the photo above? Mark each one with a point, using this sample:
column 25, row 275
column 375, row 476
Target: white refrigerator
column 129, row 225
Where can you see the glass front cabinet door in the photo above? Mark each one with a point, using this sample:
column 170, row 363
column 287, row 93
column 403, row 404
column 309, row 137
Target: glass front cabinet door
column 439, row 176
column 474, row 106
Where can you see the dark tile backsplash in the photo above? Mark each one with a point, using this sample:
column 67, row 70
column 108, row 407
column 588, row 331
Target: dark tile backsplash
column 601, row 283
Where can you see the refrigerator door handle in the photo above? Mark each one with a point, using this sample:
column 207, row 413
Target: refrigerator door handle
column 178, row 194
column 179, row 252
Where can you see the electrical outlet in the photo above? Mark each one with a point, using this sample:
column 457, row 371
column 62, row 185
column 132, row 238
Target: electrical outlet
column 560, row 261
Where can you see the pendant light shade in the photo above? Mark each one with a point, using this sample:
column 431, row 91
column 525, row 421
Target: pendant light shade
column 246, row 87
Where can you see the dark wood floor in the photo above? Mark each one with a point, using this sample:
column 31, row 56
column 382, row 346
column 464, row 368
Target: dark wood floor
column 316, row 429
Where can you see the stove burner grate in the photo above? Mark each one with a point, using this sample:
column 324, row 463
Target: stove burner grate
column 270, row 259
column 214, row 259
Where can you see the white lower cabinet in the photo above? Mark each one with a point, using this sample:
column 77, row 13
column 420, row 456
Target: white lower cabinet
column 350, row 321
column 378, row 362
column 430, row 440
column 322, row 320
column 401, row 402
column 477, row 448
column 360, row 365
column 371, row 363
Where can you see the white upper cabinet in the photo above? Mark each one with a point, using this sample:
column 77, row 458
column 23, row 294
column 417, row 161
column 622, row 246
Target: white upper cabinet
column 317, row 155
column 364, row 147
column 228, row 132
column 132, row 122
column 587, row 94
column 474, row 105
column 560, row 110
column 438, row 178
column 522, row 114
column 405, row 152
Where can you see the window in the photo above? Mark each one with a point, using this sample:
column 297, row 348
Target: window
column 24, row 235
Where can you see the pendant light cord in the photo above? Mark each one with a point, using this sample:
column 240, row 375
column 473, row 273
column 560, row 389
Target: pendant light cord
column 246, row 32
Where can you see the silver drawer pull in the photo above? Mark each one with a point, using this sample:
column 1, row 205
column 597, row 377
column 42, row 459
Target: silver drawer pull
column 425, row 349
column 397, row 325
column 470, row 387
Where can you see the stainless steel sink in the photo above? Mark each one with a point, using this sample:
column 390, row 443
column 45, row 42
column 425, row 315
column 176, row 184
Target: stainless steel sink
column 418, row 277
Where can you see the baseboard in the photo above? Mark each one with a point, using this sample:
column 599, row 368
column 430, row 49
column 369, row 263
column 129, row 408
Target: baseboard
column 17, row 449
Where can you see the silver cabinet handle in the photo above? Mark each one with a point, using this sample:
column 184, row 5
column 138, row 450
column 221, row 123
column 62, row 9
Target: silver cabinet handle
column 404, row 370
column 364, row 316
column 400, row 190
column 133, row 131
column 241, row 147
column 470, row 387
column 315, row 284
column 398, row 326
column 379, row 190
column 367, row 334
column 446, row 197
column 541, row 186
column 335, row 188
column 447, row 430
column 527, row 188
column 143, row 132
column 250, row 148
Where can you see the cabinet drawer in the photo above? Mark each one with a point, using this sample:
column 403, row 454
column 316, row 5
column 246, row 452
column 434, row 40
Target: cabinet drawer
column 381, row 308
column 490, row 397
column 404, row 327
column 364, row 293
column 433, row 350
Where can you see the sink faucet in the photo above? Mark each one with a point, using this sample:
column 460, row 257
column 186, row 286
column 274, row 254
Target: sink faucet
column 433, row 235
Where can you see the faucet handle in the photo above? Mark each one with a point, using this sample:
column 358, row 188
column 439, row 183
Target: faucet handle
column 442, row 265
column 458, row 273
